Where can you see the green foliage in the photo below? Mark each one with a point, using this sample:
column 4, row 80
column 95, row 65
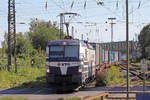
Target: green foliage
column 133, row 60
column 3, row 64
column 23, row 78
column 30, row 56
column 60, row 99
column 3, row 49
column 1, row 52
column 41, row 33
column 110, row 76
column 74, row 98
column 147, row 50
column 144, row 41
column 37, row 56
column 11, row 98
column 23, row 45
column 138, row 64
column 148, row 62
column 96, row 99
column 27, row 76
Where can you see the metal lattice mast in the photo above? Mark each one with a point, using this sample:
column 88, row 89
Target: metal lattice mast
column 11, row 33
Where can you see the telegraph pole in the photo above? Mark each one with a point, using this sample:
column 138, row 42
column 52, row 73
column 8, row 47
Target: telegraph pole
column 127, row 46
column 11, row 33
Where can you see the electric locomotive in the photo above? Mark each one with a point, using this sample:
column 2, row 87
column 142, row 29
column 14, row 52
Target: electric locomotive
column 69, row 64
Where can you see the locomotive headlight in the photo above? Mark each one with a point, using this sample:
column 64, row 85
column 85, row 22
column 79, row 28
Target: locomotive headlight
column 64, row 43
column 47, row 70
column 79, row 69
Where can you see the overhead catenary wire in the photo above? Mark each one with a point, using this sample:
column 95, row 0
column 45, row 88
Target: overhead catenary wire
column 64, row 5
column 72, row 4
column 107, row 2
column 139, row 6
column 57, row 7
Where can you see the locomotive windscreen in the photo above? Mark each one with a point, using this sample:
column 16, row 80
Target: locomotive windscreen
column 64, row 53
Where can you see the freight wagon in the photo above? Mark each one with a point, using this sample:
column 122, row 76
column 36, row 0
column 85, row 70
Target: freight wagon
column 105, row 56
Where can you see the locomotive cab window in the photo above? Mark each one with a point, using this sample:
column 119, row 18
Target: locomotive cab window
column 56, row 51
column 72, row 51
column 64, row 52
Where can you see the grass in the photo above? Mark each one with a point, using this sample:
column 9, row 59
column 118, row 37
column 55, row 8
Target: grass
column 60, row 99
column 27, row 76
column 147, row 82
column 3, row 63
column 138, row 64
column 11, row 98
column 72, row 98
column 24, row 76
column 96, row 99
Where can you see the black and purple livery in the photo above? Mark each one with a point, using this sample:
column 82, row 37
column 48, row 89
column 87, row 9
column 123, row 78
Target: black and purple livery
column 68, row 63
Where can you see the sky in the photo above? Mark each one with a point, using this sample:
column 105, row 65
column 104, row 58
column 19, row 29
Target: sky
column 89, row 11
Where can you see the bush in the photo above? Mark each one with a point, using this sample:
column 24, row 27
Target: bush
column 109, row 77
column 148, row 62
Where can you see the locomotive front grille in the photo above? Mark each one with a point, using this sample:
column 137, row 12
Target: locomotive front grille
column 55, row 70
column 63, row 79
column 70, row 70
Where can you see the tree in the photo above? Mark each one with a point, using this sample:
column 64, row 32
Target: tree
column 3, row 49
column 23, row 45
column 41, row 32
column 144, row 41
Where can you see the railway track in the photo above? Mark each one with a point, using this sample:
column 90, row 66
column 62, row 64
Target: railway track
column 135, row 72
